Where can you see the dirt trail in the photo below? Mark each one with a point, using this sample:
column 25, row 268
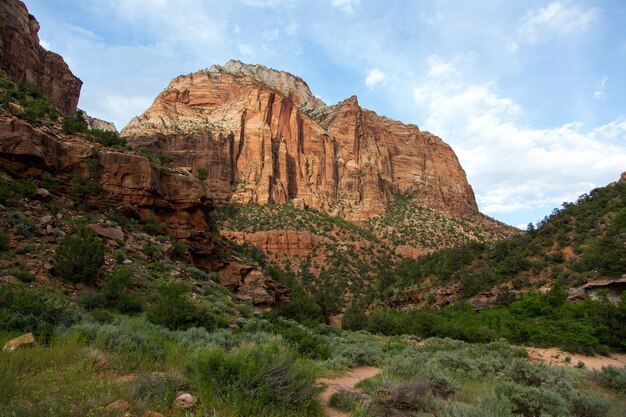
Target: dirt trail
column 557, row 357
column 347, row 382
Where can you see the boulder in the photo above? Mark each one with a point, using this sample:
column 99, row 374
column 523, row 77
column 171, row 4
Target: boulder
column 185, row 401
column 25, row 340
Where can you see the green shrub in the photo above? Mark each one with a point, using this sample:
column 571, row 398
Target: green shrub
column 611, row 377
column 255, row 380
column 154, row 391
column 24, row 187
column 172, row 309
column 74, row 124
column 583, row 405
column 106, row 137
column 152, row 251
column 37, row 311
column 532, row 401
column 5, row 242
column 84, row 187
column 135, row 346
column 92, row 300
column 78, row 257
column 304, row 340
column 129, row 304
column 345, row 400
column 202, row 173
column 118, row 282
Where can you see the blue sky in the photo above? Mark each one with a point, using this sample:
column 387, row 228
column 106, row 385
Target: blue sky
column 530, row 94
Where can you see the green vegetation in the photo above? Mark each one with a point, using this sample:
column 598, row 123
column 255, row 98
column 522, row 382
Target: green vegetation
column 592, row 230
column 345, row 258
column 535, row 319
column 31, row 104
column 407, row 222
column 202, row 173
column 263, row 380
column 77, row 124
column 78, row 257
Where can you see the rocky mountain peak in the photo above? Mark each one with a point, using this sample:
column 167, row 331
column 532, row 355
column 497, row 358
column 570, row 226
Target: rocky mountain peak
column 264, row 138
column 287, row 84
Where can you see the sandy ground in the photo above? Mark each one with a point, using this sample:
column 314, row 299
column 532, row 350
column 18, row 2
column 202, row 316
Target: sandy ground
column 346, row 382
column 556, row 357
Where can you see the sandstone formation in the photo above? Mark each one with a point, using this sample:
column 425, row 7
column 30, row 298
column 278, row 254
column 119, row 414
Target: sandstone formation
column 138, row 189
column 95, row 123
column 263, row 137
column 24, row 59
column 251, row 284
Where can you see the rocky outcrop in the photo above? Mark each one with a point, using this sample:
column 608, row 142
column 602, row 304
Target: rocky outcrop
column 95, row 123
column 597, row 289
column 24, row 59
column 138, row 189
column 251, row 284
column 263, row 137
column 288, row 243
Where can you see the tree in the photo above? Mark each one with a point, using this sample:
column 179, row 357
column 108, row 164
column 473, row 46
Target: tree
column 78, row 258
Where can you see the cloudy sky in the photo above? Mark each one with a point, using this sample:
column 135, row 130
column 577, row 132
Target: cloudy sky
column 530, row 94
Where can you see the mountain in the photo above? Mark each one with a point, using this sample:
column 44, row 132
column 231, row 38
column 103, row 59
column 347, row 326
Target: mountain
column 260, row 136
column 25, row 60
column 263, row 137
column 580, row 247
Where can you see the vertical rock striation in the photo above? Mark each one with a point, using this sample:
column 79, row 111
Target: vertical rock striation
column 264, row 138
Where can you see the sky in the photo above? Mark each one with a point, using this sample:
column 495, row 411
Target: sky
column 530, row 94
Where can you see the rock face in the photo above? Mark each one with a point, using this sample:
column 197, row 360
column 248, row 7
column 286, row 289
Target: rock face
column 23, row 59
column 251, row 284
column 95, row 123
column 263, row 137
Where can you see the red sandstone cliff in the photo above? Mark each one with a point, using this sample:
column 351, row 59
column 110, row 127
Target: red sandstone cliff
column 263, row 137
column 23, row 59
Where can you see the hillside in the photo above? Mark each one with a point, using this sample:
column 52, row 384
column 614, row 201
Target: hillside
column 580, row 247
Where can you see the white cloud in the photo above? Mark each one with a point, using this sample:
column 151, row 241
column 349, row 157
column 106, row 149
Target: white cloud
column 517, row 168
column 599, row 92
column 236, row 29
column 558, row 18
column 45, row 44
column 346, row 6
column 374, row 77
column 438, row 67
column 247, row 50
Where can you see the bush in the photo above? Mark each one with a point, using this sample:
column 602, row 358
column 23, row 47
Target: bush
column 5, row 242
column 202, row 173
column 172, row 309
column 106, row 137
column 133, row 345
column 255, row 380
column 74, row 124
column 129, row 304
column 612, row 378
column 36, row 311
column 154, row 391
column 532, row 401
column 304, row 340
column 345, row 400
column 583, row 405
column 78, row 257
